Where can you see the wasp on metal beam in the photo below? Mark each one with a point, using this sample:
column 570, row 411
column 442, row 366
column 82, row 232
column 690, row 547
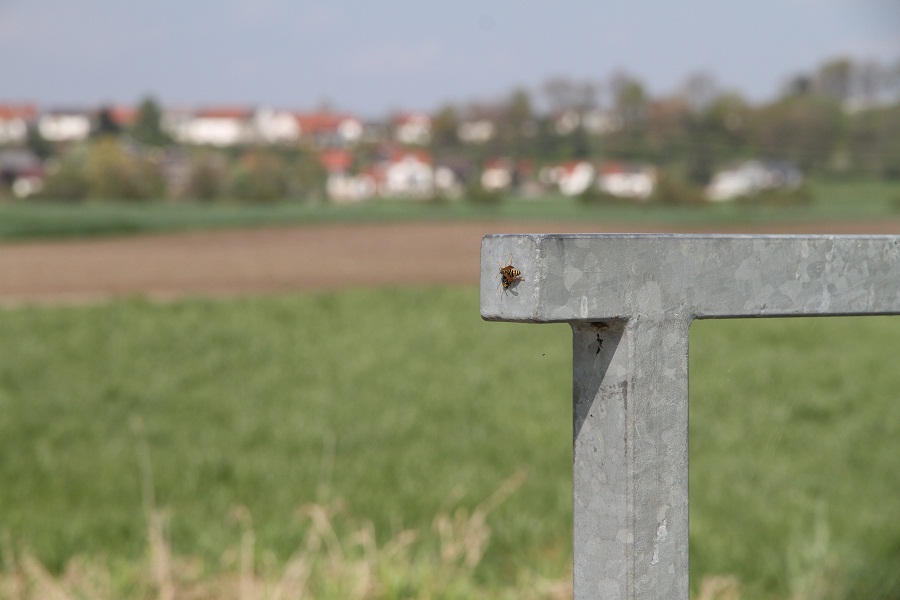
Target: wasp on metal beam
column 509, row 275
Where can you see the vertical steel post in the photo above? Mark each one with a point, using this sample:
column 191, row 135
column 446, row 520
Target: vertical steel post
column 630, row 459
column 630, row 300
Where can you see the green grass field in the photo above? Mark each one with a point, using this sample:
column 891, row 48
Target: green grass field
column 404, row 405
column 831, row 201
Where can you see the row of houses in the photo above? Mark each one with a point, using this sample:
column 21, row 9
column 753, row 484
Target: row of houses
column 216, row 126
column 414, row 174
column 399, row 172
column 226, row 126
column 573, row 178
column 409, row 174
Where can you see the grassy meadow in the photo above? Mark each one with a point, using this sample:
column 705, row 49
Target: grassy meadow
column 830, row 201
column 392, row 439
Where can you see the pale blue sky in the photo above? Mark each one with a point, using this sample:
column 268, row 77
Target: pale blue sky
column 378, row 55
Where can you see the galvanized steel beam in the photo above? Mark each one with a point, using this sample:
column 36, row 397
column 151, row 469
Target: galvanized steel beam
column 630, row 300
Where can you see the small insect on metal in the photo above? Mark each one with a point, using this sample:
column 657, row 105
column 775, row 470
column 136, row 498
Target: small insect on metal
column 509, row 275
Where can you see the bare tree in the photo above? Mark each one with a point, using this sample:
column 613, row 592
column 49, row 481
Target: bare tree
column 699, row 90
column 834, row 79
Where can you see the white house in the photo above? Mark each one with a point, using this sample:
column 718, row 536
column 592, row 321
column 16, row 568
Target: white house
column 325, row 128
column 626, row 181
column 276, row 126
column 221, row 127
column 346, row 188
column 572, row 178
column 14, row 122
column 598, row 122
column 477, row 131
column 751, row 177
column 497, row 175
column 342, row 185
column 408, row 175
column 412, row 128
column 566, row 122
column 446, row 182
column 22, row 171
column 65, row 125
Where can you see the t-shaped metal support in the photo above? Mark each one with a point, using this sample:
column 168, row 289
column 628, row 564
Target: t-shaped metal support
column 630, row 300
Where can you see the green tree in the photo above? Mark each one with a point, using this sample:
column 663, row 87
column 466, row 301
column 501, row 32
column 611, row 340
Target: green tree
column 667, row 130
column 873, row 142
column 206, row 178
column 729, row 118
column 802, row 128
column 835, row 80
column 630, row 104
column 629, row 98
column 309, row 176
column 516, row 125
column 148, row 124
column 261, row 177
column 113, row 174
column 549, row 146
column 443, row 128
column 37, row 144
column 699, row 153
column 66, row 178
column 105, row 124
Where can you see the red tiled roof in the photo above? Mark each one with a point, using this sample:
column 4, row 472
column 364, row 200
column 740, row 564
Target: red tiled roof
column 611, row 168
column 123, row 115
column 569, row 166
column 409, row 117
column 225, row 112
column 320, row 122
column 421, row 155
column 336, row 160
column 18, row 111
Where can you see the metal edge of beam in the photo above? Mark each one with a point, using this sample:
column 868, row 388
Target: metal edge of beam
column 587, row 277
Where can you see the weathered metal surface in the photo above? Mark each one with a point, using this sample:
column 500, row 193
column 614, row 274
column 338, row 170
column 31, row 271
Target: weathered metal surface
column 630, row 300
column 604, row 276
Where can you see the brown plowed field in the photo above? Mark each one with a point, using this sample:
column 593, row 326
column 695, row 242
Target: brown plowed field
column 282, row 259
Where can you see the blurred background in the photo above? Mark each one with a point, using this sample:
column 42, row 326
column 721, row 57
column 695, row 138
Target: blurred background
column 240, row 346
column 263, row 101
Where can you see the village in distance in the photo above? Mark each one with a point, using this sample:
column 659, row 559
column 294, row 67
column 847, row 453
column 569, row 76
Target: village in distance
column 601, row 141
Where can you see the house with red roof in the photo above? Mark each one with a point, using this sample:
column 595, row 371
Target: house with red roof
column 215, row 126
column 336, row 160
column 504, row 173
column 342, row 185
column 476, row 131
column 325, row 128
column 412, row 128
column 273, row 126
column 626, row 180
column 65, row 125
column 497, row 174
column 123, row 116
column 407, row 174
column 21, row 171
column 231, row 126
column 571, row 177
column 752, row 177
column 14, row 122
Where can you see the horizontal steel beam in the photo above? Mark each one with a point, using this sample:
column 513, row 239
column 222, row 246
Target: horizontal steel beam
column 606, row 276
column 630, row 300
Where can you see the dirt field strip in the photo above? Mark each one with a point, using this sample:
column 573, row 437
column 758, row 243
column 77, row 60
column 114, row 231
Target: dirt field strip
column 283, row 259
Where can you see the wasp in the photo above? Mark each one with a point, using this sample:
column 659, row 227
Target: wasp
column 509, row 275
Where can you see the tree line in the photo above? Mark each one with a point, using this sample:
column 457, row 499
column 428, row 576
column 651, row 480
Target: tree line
column 840, row 120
